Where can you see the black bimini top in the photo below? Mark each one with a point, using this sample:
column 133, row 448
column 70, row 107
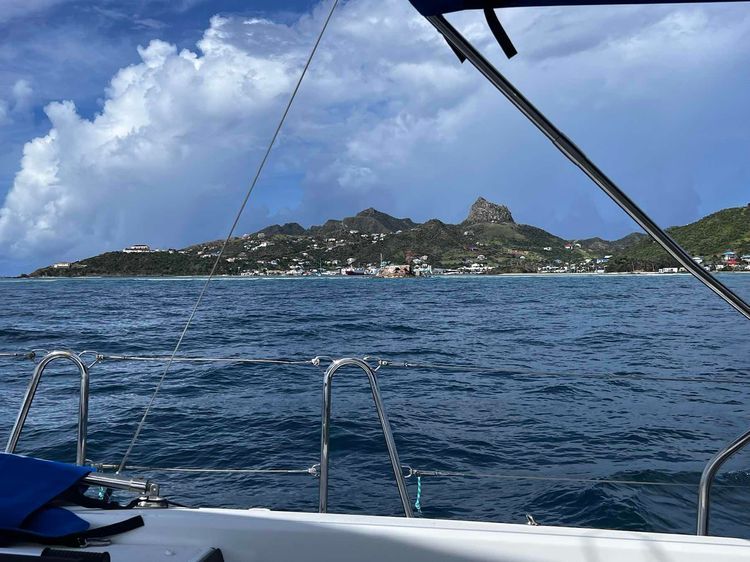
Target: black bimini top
column 437, row 7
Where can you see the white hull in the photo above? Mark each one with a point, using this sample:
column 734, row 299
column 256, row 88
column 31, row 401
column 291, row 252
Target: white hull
column 177, row 535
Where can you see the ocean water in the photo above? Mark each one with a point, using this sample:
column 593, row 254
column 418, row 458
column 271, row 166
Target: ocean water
column 570, row 423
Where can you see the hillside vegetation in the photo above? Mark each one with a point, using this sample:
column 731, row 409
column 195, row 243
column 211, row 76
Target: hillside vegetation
column 488, row 239
column 708, row 238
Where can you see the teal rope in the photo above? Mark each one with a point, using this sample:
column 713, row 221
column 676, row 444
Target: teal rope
column 418, row 502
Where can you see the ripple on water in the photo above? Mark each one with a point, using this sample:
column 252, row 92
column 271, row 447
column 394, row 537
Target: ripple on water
column 487, row 424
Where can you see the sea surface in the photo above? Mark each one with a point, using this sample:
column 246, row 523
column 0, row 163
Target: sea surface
column 537, row 383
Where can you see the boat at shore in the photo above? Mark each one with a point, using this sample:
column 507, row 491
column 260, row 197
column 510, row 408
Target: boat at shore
column 52, row 511
column 354, row 271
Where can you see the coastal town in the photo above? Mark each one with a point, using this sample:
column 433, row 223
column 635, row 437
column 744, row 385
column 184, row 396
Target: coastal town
column 418, row 266
column 373, row 243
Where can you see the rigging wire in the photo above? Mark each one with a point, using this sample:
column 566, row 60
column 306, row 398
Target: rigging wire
column 520, row 371
column 458, row 368
column 188, row 359
column 462, row 368
column 228, row 237
column 567, row 479
column 193, row 470
column 419, row 473
column 18, row 355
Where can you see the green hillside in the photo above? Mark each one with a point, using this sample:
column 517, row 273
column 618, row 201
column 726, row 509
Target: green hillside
column 708, row 238
column 488, row 237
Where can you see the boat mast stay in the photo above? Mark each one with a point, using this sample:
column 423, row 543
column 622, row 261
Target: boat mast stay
column 228, row 237
column 465, row 50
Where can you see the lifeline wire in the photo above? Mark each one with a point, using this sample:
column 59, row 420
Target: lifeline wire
column 419, row 474
column 229, row 236
column 391, row 363
column 449, row 474
column 187, row 359
column 473, row 368
column 311, row 471
column 18, row 355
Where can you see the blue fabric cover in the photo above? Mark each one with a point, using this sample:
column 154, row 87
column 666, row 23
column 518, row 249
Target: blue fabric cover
column 27, row 486
column 436, row 7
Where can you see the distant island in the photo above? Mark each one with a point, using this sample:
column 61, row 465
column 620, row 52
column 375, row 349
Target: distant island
column 488, row 241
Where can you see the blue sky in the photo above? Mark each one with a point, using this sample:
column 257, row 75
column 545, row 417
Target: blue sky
column 142, row 121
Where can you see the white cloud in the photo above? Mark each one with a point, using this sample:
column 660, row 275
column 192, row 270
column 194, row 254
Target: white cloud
column 386, row 116
column 22, row 96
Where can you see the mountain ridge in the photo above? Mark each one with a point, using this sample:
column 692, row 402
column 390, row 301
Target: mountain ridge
column 489, row 238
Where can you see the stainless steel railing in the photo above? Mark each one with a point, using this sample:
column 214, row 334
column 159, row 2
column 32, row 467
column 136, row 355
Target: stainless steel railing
column 83, row 405
column 151, row 489
column 384, row 423
column 708, row 476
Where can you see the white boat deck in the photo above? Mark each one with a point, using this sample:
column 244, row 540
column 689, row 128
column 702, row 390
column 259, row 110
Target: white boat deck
column 186, row 535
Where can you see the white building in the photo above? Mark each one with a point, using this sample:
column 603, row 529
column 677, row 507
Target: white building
column 137, row 249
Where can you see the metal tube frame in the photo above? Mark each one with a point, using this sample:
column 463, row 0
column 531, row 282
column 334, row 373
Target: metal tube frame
column 576, row 155
column 145, row 487
column 708, row 476
column 83, row 406
column 384, row 423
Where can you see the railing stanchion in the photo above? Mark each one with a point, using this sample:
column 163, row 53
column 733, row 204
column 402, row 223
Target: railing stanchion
column 384, row 423
column 83, row 405
column 707, row 478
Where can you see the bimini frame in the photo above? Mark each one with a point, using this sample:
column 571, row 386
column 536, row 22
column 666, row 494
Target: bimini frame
column 576, row 155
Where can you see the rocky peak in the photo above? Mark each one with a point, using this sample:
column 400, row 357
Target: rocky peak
column 483, row 211
column 289, row 229
column 373, row 213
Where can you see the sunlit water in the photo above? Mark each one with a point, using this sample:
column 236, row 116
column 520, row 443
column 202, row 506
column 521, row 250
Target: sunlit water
column 577, row 425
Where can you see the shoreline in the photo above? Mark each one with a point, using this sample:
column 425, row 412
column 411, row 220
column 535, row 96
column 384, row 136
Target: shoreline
column 299, row 277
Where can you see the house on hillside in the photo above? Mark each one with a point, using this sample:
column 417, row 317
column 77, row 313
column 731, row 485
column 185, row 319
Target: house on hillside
column 138, row 249
column 728, row 255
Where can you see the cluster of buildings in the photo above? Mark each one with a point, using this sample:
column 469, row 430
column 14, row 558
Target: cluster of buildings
column 587, row 265
column 730, row 260
column 256, row 258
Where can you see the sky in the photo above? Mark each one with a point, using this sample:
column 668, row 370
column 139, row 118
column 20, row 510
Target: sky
column 143, row 121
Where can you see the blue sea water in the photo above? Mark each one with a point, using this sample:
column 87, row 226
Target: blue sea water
column 488, row 425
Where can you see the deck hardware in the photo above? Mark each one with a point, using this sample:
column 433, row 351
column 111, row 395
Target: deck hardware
column 708, row 476
column 83, row 405
column 385, row 425
column 531, row 521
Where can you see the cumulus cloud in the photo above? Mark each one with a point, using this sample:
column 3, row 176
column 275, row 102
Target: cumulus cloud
column 386, row 116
